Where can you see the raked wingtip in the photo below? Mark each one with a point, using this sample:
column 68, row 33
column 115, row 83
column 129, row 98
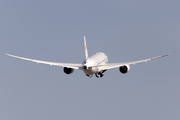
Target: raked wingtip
column 7, row 54
column 171, row 53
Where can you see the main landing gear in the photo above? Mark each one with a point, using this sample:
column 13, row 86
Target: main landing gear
column 100, row 74
column 89, row 75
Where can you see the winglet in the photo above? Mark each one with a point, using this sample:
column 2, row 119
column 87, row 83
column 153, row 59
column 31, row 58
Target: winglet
column 86, row 52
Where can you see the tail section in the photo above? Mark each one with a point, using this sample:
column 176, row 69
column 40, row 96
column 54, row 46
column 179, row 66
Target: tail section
column 86, row 52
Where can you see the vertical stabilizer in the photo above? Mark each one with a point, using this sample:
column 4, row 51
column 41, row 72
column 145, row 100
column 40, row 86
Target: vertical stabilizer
column 86, row 52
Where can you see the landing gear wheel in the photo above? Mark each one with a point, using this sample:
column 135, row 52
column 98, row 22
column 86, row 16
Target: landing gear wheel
column 96, row 75
column 87, row 75
column 101, row 75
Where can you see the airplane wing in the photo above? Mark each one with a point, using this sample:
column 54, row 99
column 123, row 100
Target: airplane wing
column 69, row 65
column 115, row 65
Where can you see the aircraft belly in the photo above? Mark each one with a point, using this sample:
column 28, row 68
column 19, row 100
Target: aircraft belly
column 91, row 70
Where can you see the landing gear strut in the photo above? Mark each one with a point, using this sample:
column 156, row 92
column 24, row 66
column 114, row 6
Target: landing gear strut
column 100, row 74
column 96, row 75
column 89, row 75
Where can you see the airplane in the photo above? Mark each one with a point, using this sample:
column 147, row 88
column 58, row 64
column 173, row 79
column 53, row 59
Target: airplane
column 96, row 64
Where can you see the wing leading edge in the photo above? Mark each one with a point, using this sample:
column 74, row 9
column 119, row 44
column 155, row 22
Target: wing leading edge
column 69, row 65
column 115, row 65
column 80, row 66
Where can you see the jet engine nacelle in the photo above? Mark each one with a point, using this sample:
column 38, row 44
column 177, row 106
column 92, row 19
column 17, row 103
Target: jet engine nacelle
column 124, row 69
column 68, row 70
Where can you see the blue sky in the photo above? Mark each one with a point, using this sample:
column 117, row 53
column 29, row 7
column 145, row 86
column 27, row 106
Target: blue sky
column 126, row 30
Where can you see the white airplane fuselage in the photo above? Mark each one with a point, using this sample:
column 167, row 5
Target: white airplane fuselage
column 92, row 63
